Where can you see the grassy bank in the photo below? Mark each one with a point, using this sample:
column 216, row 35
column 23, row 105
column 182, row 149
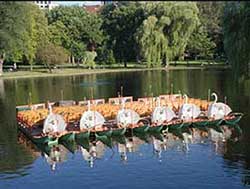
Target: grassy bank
column 66, row 70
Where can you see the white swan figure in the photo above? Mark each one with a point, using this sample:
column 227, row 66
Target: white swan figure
column 126, row 116
column 91, row 119
column 161, row 114
column 54, row 123
column 188, row 111
column 218, row 110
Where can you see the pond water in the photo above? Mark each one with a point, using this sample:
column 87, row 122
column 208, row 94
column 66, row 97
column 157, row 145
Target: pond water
column 209, row 160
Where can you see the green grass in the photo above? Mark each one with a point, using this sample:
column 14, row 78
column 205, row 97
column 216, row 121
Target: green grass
column 68, row 69
column 198, row 62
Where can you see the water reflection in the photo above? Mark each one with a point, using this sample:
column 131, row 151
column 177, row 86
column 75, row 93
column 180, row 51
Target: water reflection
column 180, row 140
column 22, row 160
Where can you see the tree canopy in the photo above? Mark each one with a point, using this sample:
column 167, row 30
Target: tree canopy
column 236, row 35
column 146, row 32
column 23, row 28
column 75, row 29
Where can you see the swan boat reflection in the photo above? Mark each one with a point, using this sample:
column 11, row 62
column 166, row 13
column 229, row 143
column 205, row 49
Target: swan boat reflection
column 182, row 139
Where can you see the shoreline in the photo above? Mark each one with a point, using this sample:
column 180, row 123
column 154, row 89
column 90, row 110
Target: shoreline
column 77, row 72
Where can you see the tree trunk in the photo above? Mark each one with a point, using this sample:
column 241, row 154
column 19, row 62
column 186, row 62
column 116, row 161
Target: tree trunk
column 125, row 64
column 73, row 60
column 69, row 59
column 31, row 67
column 78, row 63
column 50, row 70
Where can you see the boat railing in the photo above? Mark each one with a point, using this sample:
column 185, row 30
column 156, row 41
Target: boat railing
column 99, row 101
column 170, row 97
column 30, row 107
column 117, row 100
column 147, row 99
column 95, row 102
column 64, row 103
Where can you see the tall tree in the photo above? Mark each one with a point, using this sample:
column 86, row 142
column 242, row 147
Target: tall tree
column 120, row 22
column 164, row 35
column 75, row 29
column 151, row 39
column 50, row 55
column 200, row 46
column 23, row 27
column 211, row 19
column 236, row 36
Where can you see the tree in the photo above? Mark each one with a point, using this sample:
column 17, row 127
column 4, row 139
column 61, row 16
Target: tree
column 152, row 42
column 50, row 55
column 89, row 58
column 37, row 31
column 23, row 27
column 12, row 29
column 200, row 45
column 75, row 29
column 236, row 36
column 164, row 34
column 120, row 23
column 211, row 19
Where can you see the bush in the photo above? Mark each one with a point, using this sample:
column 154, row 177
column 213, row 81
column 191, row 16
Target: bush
column 89, row 59
column 50, row 55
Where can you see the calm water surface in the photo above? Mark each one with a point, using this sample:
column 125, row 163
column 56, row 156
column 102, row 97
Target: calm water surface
column 211, row 160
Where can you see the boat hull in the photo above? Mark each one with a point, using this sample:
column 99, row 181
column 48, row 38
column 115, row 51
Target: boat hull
column 202, row 123
column 107, row 133
column 141, row 129
column 216, row 122
column 118, row 132
column 82, row 139
column 43, row 140
column 155, row 129
column 234, row 120
column 69, row 137
column 104, row 139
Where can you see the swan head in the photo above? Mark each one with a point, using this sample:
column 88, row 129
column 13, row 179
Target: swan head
column 215, row 97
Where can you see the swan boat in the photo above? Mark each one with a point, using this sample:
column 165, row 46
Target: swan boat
column 47, row 125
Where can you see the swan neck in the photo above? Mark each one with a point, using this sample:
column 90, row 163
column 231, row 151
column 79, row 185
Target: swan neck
column 215, row 97
column 186, row 98
column 123, row 104
column 50, row 109
column 158, row 102
column 88, row 105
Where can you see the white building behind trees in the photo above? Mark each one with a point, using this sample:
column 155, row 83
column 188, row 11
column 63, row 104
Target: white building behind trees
column 46, row 4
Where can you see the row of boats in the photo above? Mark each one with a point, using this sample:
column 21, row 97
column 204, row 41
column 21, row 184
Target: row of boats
column 90, row 123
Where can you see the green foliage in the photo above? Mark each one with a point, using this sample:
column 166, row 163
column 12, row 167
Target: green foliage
column 211, row 19
column 50, row 54
column 164, row 34
column 154, row 32
column 120, row 24
column 152, row 42
column 89, row 58
column 75, row 29
column 105, row 56
column 200, row 45
column 22, row 29
column 236, row 35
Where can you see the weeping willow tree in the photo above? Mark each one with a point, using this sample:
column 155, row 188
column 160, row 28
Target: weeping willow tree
column 151, row 39
column 236, row 36
column 163, row 35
